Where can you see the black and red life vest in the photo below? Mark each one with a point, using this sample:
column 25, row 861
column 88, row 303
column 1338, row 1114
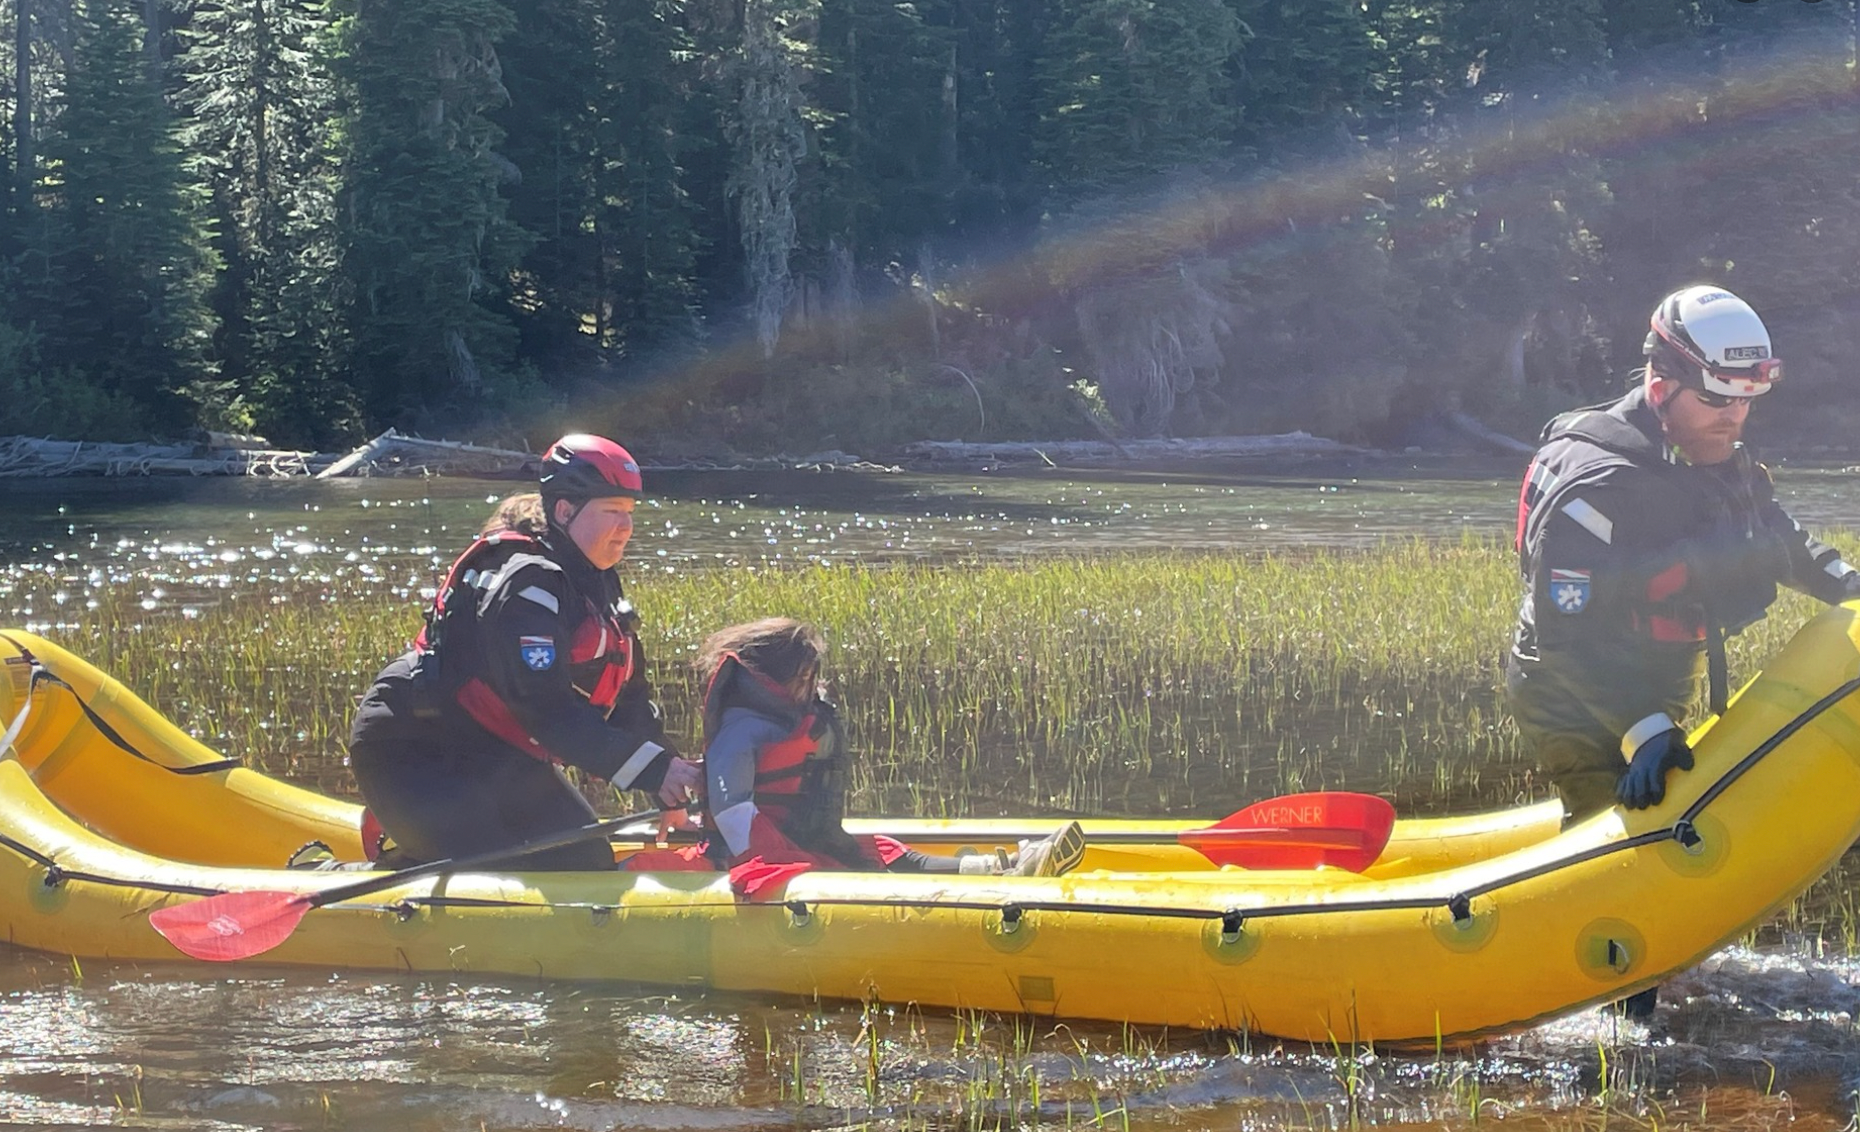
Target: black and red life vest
column 1671, row 503
column 603, row 643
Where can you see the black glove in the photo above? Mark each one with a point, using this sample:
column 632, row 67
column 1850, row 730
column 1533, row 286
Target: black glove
column 1655, row 745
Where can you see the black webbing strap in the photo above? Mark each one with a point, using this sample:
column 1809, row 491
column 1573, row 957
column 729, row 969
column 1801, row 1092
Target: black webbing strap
column 1717, row 665
column 56, row 874
column 40, row 673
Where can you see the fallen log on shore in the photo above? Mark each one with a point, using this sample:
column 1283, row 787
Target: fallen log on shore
column 23, row 456
column 390, row 454
column 397, row 454
column 393, row 453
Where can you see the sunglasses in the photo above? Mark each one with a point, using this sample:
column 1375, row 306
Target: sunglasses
column 1718, row 400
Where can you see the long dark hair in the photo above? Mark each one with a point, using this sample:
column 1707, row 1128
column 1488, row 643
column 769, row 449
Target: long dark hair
column 777, row 647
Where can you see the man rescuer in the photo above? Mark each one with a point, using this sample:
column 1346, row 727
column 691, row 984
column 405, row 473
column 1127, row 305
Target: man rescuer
column 1646, row 535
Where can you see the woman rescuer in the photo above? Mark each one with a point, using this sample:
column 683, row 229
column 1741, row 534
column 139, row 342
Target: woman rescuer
column 530, row 660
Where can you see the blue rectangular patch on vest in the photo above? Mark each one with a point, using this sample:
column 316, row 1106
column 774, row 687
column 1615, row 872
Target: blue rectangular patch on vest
column 1569, row 589
column 537, row 652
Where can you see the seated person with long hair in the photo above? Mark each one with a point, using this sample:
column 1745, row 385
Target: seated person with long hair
column 776, row 764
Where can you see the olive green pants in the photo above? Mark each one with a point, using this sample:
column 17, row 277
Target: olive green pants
column 1583, row 771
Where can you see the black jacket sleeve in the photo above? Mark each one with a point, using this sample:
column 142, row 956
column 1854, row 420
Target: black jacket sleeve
column 526, row 624
column 1814, row 567
column 1781, row 552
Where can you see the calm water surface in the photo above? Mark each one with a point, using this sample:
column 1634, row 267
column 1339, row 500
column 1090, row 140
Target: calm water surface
column 1752, row 1039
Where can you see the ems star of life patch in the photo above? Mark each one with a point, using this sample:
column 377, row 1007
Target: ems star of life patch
column 537, row 652
column 1570, row 590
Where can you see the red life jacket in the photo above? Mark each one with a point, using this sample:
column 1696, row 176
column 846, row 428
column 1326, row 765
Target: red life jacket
column 602, row 644
column 800, row 778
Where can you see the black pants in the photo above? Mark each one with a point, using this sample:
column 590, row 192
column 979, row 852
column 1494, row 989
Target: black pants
column 915, row 862
column 444, row 788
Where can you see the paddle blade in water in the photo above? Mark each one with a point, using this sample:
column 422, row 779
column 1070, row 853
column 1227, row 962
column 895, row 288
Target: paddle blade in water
column 232, row 925
column 1300, row 831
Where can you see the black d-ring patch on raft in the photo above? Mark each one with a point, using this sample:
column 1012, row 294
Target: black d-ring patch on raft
column 42, row 673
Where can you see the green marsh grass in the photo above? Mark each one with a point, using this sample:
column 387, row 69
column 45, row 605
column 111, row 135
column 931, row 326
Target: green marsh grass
column 1134, row 683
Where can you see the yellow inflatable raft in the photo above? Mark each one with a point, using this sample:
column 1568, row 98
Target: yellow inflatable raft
column 1463, row 926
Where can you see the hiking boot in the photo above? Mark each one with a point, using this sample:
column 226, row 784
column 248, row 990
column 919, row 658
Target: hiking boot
column 1050, row 856
column 314, row 856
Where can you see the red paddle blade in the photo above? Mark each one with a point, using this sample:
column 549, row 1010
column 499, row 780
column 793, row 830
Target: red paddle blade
column 232, row 925
column 1300, row 831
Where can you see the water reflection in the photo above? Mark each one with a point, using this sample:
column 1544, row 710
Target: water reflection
column 1746, row 1040
column 185, row 543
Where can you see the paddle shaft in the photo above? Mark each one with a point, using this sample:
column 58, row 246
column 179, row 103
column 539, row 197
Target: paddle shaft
column 1297, row 831
column 1318, row 838
column 476, row 860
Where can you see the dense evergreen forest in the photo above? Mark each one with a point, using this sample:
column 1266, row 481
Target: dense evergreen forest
column 754, row 225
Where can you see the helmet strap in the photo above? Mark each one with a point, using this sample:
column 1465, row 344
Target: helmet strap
column 574, row 510
column 1660, row 390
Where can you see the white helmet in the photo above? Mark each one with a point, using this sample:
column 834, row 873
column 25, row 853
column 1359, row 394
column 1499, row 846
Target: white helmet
column 1707, row 336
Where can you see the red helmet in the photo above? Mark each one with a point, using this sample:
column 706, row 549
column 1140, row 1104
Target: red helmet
column 580, row 467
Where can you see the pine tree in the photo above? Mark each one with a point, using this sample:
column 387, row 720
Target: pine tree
column 999, row 190
column 768, row 143
column 647, row 214
column 1304, row 69
column 598, row 88
column 552, row 68
column 1132, row 89
column 887, row 95
column 428, row 248
column 1498, row 205
column 262, row 101
column 121, row 298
